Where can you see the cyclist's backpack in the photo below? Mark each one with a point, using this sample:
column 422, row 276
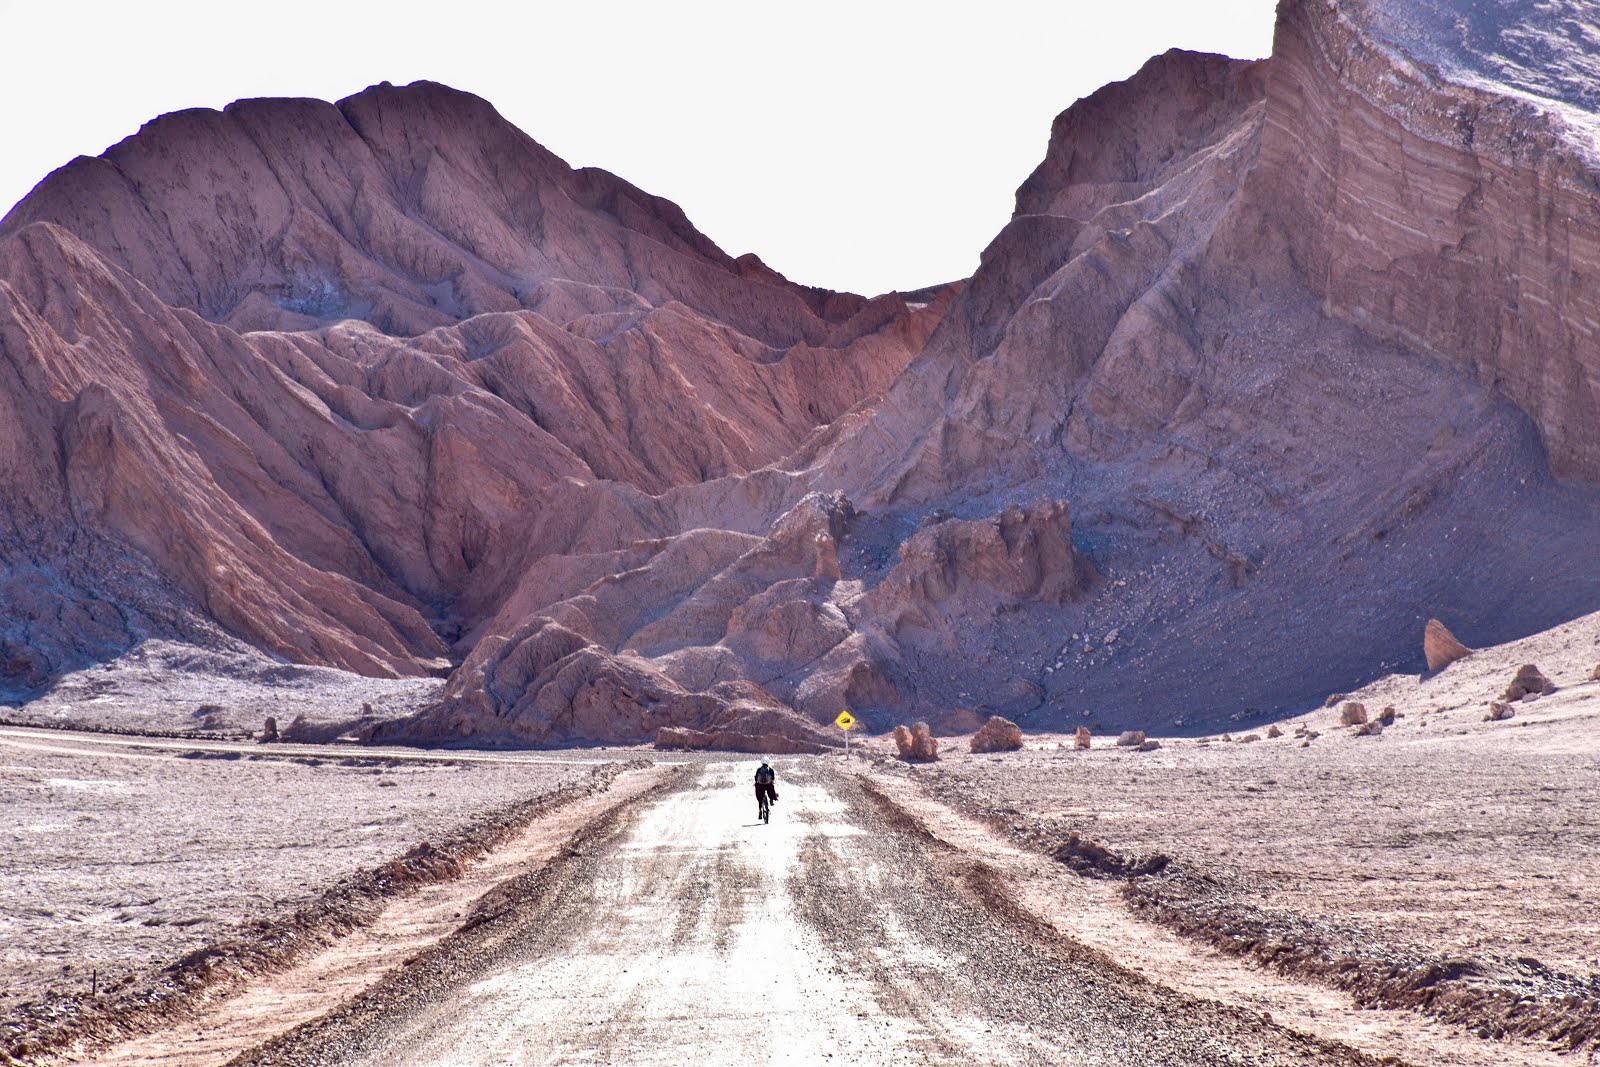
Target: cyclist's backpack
column 764, row 775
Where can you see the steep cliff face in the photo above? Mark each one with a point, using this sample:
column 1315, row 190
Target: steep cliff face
column 1443, row 200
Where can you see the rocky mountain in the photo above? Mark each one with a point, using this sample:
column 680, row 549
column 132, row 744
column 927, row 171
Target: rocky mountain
column 1275, row 361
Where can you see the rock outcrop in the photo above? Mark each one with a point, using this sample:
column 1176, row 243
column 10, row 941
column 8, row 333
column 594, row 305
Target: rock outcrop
column 997, row 735
column 1353, row 713
column 1528, row 681
column 1440, row 647
column 917, row 743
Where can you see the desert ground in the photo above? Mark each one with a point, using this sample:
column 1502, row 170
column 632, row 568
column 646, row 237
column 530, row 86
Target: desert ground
column 1423, row 895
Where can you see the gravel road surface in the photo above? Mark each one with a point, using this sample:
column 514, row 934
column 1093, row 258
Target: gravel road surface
column 681, row 930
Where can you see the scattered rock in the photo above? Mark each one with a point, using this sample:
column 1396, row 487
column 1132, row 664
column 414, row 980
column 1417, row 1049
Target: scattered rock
column 1440, row 646
column 1353, row 714
column 1130, row 739
column 1149, row 746
column 917, row 743
column 1370, row 729
column 269, row 729
column 1273, row 731
column 1333, row 699
column 1529, row 681
column 1387, row 716
column 997, row 735
column 1084, row 738
column 1499, row 711
column 1249, row 737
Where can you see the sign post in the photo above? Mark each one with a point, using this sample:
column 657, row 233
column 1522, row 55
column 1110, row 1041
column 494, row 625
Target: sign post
column 844, row 722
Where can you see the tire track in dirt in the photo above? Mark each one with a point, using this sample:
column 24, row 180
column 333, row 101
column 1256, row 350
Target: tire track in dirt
column 242, row 1008
column 676, row 932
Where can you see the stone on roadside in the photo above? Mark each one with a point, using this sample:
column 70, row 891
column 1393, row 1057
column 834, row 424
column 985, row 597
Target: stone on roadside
column 917, row 743
column 269, row 729
column 1529, row 680
column 1333, row 699
column 1387, row 716
column 1130, row 739
column 997, row 735
column 1149, row 746
column 1499, row 711
column 1370, row 729
column 1273, row 731
column 1083, row 738
column 1353, row 714
column 1440, row 646
column 1249, row 737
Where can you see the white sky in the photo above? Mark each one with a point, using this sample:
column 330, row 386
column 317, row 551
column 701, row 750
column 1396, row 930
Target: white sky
column 865, row 146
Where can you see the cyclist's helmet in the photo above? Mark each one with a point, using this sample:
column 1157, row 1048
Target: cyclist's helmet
column 763, row 761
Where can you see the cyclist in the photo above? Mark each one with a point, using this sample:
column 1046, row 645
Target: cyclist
column 766, row 788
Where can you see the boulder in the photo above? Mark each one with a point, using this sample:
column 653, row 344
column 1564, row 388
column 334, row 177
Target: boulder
column 1130, row 739
column 1370, row 729
column 1529, row 681
column 1387, row 716
column 1440, row 646
column 917, row 743
column 1149, row 746
column 1499, row 711
column 1083, row 738
column 1353, row 714
column 997, row 735
column 269, row 729
column 1273, row 731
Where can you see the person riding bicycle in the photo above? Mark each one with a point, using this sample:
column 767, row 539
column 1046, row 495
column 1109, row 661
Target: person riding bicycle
column 766, row 786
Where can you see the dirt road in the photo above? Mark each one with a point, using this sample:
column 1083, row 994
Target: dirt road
column 682, row 931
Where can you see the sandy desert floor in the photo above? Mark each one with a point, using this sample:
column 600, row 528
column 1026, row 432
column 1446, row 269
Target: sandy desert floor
column 1425, row 895
column 122, row 855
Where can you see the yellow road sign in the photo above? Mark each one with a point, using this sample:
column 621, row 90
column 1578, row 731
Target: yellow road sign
column 845, row 720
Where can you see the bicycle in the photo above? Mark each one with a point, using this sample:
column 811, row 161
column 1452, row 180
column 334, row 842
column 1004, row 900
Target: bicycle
column 765, row 811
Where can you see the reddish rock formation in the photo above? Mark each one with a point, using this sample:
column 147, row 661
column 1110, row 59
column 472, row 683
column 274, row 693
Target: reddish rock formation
column 1405, row 197
column 917, row 743
column 1131, row 739
column 997, row 735
column 1440, row 646
column 398, row 391
column 1528, row 681
column 1353, row 713
column 1083, row 739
